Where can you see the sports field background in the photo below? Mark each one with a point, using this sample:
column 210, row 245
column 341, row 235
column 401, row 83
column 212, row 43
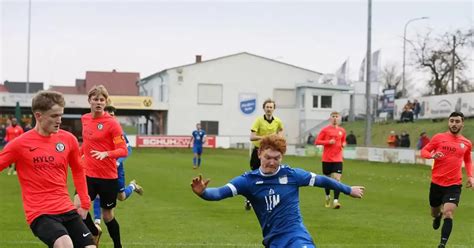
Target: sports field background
column 393, row 213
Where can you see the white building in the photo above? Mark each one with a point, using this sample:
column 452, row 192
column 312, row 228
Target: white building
column 226, row 95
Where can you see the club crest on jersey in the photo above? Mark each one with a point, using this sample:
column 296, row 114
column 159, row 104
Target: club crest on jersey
column 100, row 126
column 283, row 180
column 340, row 133
column 60, row 147
column 462, row 145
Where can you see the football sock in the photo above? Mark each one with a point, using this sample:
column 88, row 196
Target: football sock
column 328, row 197
column 97, row 214
column 90, row 224
column 446, row 230
column 199, row 161
column 129, row 190
column 336, row 194
column 327, row 190
column 114, row 232
column 194, row 161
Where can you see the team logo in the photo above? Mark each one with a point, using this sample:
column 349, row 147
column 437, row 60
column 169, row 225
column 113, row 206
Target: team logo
column 60, row 147
column 283, row 180
column 248, row 103
column 147, row 102
column 462, row 145
column 272, row 200
column 100, row 126
column 340, row 133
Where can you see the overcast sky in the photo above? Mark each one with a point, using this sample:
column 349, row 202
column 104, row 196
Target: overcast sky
column 71, row 37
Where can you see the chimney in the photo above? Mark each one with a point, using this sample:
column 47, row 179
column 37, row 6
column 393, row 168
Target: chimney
column 198, row 58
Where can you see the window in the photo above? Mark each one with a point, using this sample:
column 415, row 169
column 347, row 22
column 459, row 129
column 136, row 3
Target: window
column 211, row 127
column 326, row 101
column 315, row 101
column 285, row 98
column 210, row 94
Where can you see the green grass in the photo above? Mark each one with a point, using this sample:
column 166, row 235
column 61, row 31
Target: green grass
column 380, row 131
column 393, row 213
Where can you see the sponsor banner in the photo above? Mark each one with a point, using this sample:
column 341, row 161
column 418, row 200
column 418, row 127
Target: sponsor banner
column 247, row 103
column 391, row 155
column 172, row 141
column 441, row 106
column 132, row 102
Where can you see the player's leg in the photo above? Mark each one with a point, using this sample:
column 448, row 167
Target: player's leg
column 97, row 212
column 14, row 169
column 126, row 191
column 327, row 169
column 10, row 169
column 436, row 201
column 78, row 231
column 195, row 155
column 108, row 194
column 50, row 230
column 92, row 187
column 450, row 203
column 337, row 175
column 199, row 153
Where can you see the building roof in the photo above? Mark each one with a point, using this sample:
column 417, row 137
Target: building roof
column 66, row 89
column 117, row 83
column 227, row 56
column 20, row 87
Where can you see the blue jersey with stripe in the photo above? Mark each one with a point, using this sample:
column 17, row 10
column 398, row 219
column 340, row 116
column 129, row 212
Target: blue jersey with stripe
column 275, row 199
column 198, row 136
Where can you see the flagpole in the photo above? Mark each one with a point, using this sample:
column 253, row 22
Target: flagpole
column 368, row 112
column 28, row 50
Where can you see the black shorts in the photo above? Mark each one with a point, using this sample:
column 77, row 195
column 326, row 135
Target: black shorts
column 332, row 167
column 48, row 228
column 442, row 194
column 254, row 160
column 106, row 189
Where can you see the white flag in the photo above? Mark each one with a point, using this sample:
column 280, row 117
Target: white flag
column 341, row 73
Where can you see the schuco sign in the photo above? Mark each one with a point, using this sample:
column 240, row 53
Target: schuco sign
column 171, row 141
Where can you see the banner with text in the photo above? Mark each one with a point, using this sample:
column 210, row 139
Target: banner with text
column 172, row 141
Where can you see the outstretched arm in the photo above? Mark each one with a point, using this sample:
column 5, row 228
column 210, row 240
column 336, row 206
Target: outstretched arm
column 199, row 187
column 326, row 182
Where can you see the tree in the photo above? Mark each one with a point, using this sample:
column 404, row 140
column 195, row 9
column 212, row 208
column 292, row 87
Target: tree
column 436, row 56
column 392, row 78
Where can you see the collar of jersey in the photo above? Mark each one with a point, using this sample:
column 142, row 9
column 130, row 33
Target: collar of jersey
column 269, row 175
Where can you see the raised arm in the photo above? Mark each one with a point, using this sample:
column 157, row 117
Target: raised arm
column 199, row 187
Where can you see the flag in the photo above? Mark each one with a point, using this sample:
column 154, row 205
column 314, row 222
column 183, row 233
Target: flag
column 362, row 71
column 375, row 67
column 341, row 74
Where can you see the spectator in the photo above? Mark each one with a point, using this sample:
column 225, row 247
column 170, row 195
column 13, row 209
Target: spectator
column 351, row 139
column 407, row 115
column 408, row 105
column 310, row 140
column 2, row 134
column 422, row 141
column 416, row 109
column 392, row 139
column 404, row 139
column 27, row 127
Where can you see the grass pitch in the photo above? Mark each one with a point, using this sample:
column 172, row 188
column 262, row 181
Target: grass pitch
column 393, row 213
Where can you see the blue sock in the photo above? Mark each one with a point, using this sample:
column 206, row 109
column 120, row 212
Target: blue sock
column 194, row 161
column 128, row 190
column 97, row 212
column 199, row 161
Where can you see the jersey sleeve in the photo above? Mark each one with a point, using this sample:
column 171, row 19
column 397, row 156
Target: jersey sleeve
column 280, row 126
column 304, row 178
column 129, row 150
column 78, row 174
column 255, row 126
column 120, row 148
column 8, row 155
column 468, row 161
column 238, row 185
column 321, row 139
column 431, row 146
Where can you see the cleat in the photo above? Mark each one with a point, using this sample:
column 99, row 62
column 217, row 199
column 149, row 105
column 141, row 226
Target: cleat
column 248, row 205
column 336, row 205
column 327, row 203
column 96, row 239
column 138, row 189
column 194, row 167
column 97, row 222
column 14, row 173
column 437, row 222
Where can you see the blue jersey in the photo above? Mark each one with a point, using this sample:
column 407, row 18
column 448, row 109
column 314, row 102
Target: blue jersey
column 198, row 137
column 129, row 148
column 275, row 199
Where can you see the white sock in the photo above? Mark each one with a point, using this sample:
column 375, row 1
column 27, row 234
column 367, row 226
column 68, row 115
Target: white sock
column 336, row 200
column 132, row 185
column 328, row 197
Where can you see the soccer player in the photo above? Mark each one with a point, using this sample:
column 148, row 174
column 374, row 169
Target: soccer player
column 12, row 132
column 124, row 192
column 42, row 156
column 448, row 150
column 263, row 126
column 198, row 139
column 103, row 143
column 273, row 190
column 333, row 138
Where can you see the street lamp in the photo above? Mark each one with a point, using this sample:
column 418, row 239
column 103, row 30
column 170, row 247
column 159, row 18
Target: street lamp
column 404, row 91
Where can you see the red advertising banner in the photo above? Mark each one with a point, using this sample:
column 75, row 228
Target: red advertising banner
column 172, row 141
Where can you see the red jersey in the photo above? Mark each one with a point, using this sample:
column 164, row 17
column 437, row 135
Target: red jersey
column 332, row 152
column 41, row 163
column 447, row 169
column 102, row 134
column 12, row 132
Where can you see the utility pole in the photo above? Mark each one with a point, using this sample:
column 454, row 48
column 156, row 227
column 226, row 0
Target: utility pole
column 28, row 50
column 368, row 112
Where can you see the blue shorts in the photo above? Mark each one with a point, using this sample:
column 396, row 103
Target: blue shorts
column 197, row 149
column 293, row 240
column 121, row 177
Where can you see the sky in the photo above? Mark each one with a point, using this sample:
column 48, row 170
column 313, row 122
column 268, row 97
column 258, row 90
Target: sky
column 71, row 37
